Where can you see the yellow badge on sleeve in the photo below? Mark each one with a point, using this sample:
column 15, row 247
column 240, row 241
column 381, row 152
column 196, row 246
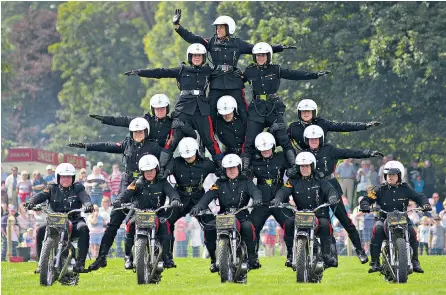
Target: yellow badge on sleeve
column 214, row 187
column 372, row 195
column 131, row 186
column 288, row 183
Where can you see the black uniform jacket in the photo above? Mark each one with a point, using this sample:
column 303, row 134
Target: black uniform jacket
column 308, row 193
column 146, row 194
column 232, row 193
column 231, row 134
column 159, row 129
column 189, row 78
column 190, row 177
column 62, row 199
column 393, row 197
column 269, row 173
column 296, row 129
column 225, row 51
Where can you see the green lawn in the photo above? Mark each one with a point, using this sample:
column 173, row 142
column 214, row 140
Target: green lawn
column 193, row 277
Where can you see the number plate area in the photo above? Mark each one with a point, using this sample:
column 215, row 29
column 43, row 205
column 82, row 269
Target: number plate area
column 145, row 219
column 395, row 218
column 304, row 220
column 57, row 219
column 225, row 221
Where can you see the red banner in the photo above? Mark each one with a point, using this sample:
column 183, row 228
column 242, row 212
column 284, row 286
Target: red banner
column 19, row 155
column 45, row 157
column 78, row 162
column 35, row 155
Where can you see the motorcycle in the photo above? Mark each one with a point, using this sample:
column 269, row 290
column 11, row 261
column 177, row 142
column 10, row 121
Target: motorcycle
column 396, row 251
column 307, row 259
column 59, row 252
column 232, row 254
column 147, row 249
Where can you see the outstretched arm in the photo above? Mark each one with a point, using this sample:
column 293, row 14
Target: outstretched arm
column 155, row 73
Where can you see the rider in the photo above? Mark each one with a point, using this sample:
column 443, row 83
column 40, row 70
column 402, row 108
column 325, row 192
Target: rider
column 327, row 156
column 393, row 195
column 190, row 170
column 63, row 196
column 159, row 121
column 266, row 108
column 225, row 50
column 133, row 148
column 229, row 128
column 309, row 192
column 307, row 114
column 192, row 108
column 234, row 192
column 148, row 192
column 269, row 167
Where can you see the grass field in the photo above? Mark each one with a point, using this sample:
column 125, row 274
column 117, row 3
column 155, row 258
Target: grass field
column 193, row 277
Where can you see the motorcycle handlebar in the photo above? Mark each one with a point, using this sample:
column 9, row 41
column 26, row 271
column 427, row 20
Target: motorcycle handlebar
column 385, row 212
column 132, row 207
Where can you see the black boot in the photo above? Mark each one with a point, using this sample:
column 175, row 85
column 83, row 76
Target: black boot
column 80, row 266
column 128, row 262
column 374, row 256
column 417, row 266
column 362, row 256
column 214, row 267
column 254, row 263
column 329, row 261
column 289, row 260
column 168, row 261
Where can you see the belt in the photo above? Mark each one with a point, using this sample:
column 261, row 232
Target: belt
column 267, row 181
column 225, row 68
column 190, row 189
column 267, row 96
column 331, row 176
column 191, row 92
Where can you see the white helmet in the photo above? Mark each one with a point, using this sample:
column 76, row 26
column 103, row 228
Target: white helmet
column 187, row 147
column 265, row 141
column 263, row 47
column 228, row 21
column 314, row 131
column 148, row 162
column 159, row 101
column 226, row 105
column 307, row 105
column 196, row 48
column 306, row 158
column 394, row 167
column 138, row 124
column 65, row 169
column 231, row 160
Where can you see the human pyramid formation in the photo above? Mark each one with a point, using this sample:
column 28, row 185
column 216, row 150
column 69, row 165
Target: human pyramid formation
column 212, row 102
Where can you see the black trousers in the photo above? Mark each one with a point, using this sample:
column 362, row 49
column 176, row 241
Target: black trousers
column 378, row 236
column 204, row 126
column 163, row 232
column 256, row 126
column 342, row 216
column 206, row 221
column 283, row 216
column 248, row 236
column 80, row 230
column 239, row 96
column 324, row 235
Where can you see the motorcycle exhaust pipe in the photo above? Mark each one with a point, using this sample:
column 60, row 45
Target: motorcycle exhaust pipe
column 319, row 267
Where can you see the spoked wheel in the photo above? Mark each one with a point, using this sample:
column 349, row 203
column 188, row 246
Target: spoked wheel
column 401, row 260
column 47, row 271
column 302, row 272
column 142, row 259
column 224, row 256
